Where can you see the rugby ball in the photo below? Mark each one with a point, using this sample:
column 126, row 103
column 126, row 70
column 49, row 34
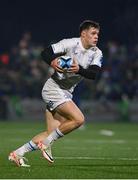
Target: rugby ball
column 65, row 62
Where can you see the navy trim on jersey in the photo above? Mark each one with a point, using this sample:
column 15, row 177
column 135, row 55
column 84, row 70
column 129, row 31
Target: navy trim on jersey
column 48, row 54
column 89, row 73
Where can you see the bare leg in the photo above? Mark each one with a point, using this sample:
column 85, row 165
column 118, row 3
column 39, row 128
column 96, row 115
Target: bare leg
column 74, row 119
column 51, row 125
column 52, row 122
column 16, row 156
column 73, row 115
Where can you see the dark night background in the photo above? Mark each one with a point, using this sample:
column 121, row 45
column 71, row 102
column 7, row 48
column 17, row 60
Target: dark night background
column 54, row 20
column 26, row 26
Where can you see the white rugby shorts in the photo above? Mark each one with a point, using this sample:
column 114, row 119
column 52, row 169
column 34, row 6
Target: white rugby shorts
column 53, row 95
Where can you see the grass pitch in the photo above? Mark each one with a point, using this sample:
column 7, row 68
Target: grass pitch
column 103, row 151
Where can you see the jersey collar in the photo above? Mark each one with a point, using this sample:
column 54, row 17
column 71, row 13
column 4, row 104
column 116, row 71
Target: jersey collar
column 83, row 49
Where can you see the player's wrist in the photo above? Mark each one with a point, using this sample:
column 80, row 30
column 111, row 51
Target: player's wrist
column 80, row 69
column 54, row 63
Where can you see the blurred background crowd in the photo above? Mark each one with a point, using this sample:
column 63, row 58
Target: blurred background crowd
column 23, row 73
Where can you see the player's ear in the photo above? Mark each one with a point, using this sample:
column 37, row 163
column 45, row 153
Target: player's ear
column 83, row 33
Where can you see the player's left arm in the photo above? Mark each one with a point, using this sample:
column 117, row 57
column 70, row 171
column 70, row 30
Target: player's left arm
column 89, row 73
column 93, row 69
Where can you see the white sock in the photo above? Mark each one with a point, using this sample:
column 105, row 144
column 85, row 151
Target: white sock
column 56, row 134
column 28, row 147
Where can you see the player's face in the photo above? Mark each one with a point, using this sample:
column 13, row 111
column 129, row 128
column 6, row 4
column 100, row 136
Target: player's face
column 90, row 37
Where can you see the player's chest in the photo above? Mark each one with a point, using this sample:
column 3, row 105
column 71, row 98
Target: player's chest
column 84, row 58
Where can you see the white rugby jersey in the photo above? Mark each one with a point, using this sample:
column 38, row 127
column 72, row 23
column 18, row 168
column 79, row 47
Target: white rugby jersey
column 85, row 57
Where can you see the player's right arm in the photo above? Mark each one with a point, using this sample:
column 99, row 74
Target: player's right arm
column 51, row 53
column 51, row 58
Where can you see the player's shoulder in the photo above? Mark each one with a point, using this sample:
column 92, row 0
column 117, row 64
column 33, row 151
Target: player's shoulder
column 97, row 50
column 71, row 40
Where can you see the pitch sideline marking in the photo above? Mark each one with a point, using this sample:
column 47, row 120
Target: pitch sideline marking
column 115, row 141
column 96, row 158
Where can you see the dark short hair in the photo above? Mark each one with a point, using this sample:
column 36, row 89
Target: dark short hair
column 88, row 24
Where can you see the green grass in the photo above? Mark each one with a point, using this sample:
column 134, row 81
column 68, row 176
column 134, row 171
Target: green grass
column 82, row 154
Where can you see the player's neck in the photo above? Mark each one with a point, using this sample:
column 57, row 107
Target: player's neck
column 84, row 44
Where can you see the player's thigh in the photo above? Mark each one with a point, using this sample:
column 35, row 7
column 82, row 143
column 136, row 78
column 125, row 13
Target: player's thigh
column 70, row 111
column 58, row 117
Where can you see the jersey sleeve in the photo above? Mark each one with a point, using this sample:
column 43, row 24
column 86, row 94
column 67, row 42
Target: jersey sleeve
column 62, row 46
column 98, row 58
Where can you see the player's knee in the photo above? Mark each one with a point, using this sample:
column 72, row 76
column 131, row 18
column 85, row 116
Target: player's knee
column 79, row 121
